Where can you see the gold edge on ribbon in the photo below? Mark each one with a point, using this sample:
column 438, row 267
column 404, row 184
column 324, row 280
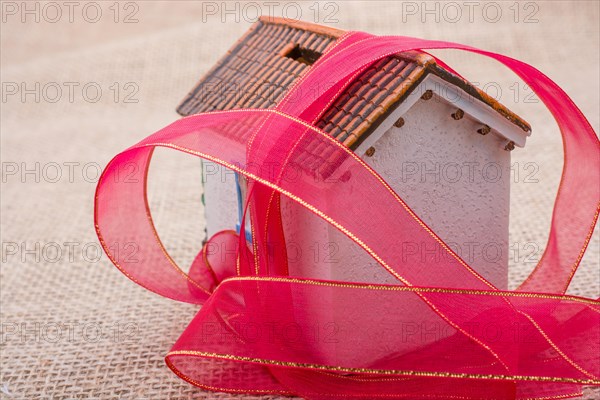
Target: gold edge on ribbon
column 221, row 389
column 412, row 373
column 286, row 393
column 384, row 287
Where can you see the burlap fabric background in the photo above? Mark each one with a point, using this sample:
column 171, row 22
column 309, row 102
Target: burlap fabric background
column 74, row 326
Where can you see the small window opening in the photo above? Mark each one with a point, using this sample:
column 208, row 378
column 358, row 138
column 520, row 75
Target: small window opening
column 302, row 55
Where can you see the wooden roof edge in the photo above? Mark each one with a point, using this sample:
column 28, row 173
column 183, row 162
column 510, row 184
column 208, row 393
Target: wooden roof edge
column 303, row 25
column 480, row 95
column 429, row 63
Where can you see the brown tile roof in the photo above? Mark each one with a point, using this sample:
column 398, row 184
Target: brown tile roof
column 253, row 73
column 257, row 71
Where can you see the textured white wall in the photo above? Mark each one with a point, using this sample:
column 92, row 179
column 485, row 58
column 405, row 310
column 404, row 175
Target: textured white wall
column 455, row 179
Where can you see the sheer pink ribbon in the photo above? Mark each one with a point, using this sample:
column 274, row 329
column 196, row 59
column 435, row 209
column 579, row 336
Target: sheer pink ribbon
column 442, row 332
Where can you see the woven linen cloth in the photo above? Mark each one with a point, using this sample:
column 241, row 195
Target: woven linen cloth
column 72, row 325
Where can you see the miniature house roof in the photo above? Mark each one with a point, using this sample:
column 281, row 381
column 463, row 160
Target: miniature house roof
column 264, row 63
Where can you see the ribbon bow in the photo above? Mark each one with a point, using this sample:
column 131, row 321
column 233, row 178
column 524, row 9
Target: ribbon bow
column 263, row 331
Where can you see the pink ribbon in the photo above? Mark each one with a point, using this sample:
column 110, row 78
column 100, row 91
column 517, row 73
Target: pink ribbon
column 262, row 331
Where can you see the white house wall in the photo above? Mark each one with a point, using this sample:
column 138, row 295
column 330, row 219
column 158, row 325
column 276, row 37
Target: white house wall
column 454, row 178
column 220, row 198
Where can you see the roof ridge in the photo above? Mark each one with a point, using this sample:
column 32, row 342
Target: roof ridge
column 303, row 25
column 291, row 41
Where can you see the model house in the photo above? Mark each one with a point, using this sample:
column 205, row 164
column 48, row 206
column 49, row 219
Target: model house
column 443, row 145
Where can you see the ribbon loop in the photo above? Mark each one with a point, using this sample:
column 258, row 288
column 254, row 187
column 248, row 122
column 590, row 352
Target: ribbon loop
column 440, row 330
